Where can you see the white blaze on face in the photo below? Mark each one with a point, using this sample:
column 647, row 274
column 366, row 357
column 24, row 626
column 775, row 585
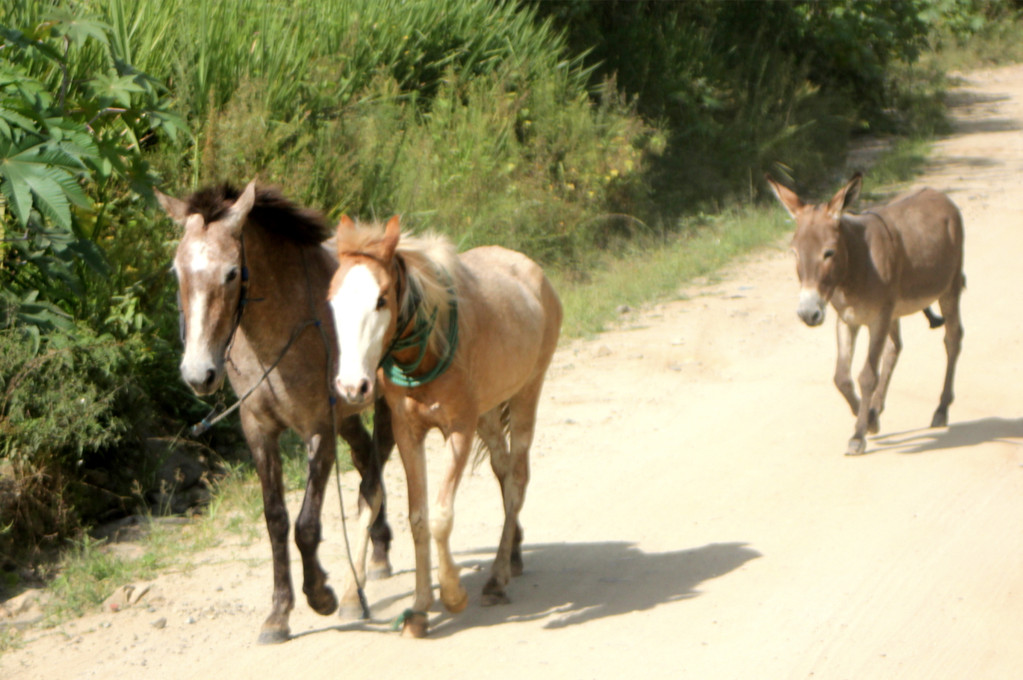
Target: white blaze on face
column 360, row 330
column 195, row 263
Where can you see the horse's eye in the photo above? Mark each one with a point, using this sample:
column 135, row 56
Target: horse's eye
column 828, row 253
column 381, row 302
column 231, row 275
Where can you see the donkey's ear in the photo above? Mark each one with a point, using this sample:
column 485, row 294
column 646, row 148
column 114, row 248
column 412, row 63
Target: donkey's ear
column 239, row 212
column 392, row 233
column 788, row 198
column 846, row 196
column 175, row 208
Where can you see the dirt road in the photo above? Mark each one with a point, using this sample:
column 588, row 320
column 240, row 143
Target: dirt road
column 690, row 513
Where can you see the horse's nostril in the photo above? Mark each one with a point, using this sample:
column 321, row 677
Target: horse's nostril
column 211, row 375
column 363, row 388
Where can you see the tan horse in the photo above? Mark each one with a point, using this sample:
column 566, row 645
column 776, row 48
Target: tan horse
column 462, row 344
column 873, row 268
column 253, row 275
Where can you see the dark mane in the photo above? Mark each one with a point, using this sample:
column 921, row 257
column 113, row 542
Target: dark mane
column 272, row 211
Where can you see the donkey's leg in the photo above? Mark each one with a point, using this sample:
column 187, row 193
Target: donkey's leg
column 308, row 531
column 410, row 441
column 868, row 382
column 263, row 445
column 892, row 349
column 953, row 344
column 442, row 515
column 846, row 335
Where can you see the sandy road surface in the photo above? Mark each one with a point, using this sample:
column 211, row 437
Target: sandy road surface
column 691, row 513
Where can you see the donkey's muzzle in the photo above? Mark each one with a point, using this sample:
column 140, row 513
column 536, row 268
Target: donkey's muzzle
column 811, row 308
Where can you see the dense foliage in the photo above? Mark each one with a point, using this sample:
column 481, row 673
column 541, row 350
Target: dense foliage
column 557, row 128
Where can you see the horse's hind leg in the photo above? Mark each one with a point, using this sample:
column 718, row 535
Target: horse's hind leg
column 514, row 478
column 263, row 445
column 953, row 344
column 892, row 348
column 491, row 429
column 308, row 534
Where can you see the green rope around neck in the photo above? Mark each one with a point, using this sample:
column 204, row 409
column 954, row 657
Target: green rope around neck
column 400, row 373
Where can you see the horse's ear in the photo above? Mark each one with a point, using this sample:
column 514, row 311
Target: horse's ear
column 175, row 208
column 239, row 212
column 788, row 198
column 846, row 196
column 344, row 225
column 392, row 233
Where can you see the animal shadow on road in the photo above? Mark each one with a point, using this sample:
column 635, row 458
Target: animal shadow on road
column 572, row 583
column 955, row 436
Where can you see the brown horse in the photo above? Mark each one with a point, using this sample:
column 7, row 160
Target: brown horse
column 873, row 268
column 460, row 343
column 253, row 274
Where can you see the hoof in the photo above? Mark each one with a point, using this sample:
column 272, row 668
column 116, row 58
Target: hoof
column 378, row 572
column 857, row 447
column 273, row 636
column 493, row 594
column 325, row 603
column 350, row 611
column 940, row 419
column 458, row 602
column 415, row 625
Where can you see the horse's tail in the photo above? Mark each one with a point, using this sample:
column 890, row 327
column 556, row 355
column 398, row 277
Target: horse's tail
column 935, row 320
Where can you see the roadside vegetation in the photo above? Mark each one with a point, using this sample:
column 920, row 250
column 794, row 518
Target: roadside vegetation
column 620, row 143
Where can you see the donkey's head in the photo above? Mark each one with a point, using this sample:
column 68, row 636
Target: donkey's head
column 821, row 255
column 364, row 299
column 210, row 271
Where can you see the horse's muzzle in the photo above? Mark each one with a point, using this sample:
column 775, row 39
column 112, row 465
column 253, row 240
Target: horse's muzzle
column 358, row 394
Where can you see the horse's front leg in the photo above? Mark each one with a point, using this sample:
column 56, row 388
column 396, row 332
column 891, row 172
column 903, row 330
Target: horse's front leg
column 371, row 501
column 410, row 440
column 263, row 445
column 308, row 530
column 868, row 383
column 442, row 516
column 846, row 336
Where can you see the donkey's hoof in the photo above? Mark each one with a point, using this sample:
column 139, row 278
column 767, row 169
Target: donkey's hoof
column 857, row 447
column 273, row 635
column 940, row 419
column 493, row 593
column 324, row 603
column 415, row 624
column 873, row 422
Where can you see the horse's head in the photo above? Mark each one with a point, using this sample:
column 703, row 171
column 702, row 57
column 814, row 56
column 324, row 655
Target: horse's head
column 209, row 267
column 821, row 255
column 364, row 299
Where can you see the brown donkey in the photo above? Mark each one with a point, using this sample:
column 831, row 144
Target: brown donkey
column 874, row 267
